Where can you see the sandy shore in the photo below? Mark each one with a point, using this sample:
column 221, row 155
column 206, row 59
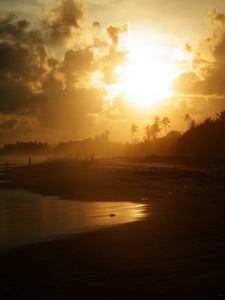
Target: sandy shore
column 177, row 252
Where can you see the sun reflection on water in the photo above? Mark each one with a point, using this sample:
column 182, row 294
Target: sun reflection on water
column 28, row 218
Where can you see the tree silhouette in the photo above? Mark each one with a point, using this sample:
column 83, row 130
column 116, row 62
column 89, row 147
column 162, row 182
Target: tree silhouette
column 106, row 133
column 157, row 119
column 133, row 130
column 187, row 119
column 221, row 115
column 192, row 124
column 148, row 133
column 156, row 130
column 165, row 123
column 205, row 139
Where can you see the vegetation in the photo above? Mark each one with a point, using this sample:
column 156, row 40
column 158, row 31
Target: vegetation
column 133, row 130
column 205, row 139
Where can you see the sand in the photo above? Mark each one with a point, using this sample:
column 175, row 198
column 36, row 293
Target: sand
column 176, row 252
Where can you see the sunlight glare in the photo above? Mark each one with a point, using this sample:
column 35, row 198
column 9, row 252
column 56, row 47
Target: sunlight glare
column 146, row 82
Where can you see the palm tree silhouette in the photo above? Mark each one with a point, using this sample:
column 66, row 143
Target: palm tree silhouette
column 157, row 119
column 155, row 130
column 133, row 130
column 221, row 115
column 156, row 126
column 165, row 123
column 187, row 118
column 148, row 133
column 106, row 133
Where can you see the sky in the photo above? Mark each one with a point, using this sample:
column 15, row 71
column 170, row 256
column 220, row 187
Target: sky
column 72, row 69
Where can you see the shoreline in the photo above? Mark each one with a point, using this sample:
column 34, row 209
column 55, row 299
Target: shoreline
column 177, row 252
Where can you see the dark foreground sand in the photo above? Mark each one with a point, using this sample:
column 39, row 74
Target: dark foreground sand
column 177, row 252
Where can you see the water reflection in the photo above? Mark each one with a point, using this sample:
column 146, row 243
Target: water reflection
column 27, row 218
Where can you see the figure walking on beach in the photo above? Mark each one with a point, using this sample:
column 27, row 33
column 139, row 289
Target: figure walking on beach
column 29, row 160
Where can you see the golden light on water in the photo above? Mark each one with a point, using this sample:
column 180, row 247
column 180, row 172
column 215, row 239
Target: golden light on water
column 29, row 218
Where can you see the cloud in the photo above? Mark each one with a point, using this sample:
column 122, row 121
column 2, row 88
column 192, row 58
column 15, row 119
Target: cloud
column 77, row 63
column 114, row 33
column 208, row 66
column 8, row 124
column 41, row 92
column 14, row 96
column 55, row 28
column 19, row 31
column 96, row 25
column 109, row 62
column 23, row 63
column 188, row 47
column 61, row 21
column 216, row 18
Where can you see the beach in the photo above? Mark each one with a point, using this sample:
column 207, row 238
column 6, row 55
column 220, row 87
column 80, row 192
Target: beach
column 176, row 251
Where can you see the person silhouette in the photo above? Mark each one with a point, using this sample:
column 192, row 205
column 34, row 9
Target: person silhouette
column 29, row 160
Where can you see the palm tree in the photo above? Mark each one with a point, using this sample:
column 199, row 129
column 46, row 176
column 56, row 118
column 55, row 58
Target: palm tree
column 148, row 133
column 221, row 115
column 106, row 133
column 133, row 130
column 187, row 118
column 156, row 126
column 165, row 123
column 190, row 122
column 157, row 119
column 155, row 130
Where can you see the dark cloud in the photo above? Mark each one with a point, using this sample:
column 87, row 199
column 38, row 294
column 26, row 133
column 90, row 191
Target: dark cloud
column 8, row 124
column 54, row 29
column 60, row 23
column 22, row 62
column 19, row 31
column 22, row 68
column 14, row 96
column 39, row 92
column 52, row 62
column 77, row 63
column 51, row 84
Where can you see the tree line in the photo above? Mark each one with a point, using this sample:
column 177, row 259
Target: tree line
column 206, row 138
column 152, row 131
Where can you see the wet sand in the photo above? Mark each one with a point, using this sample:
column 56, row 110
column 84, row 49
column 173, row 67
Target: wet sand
column 176, row 252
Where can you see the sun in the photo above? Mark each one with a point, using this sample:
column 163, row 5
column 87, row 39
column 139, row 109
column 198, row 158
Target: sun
column 145, row 82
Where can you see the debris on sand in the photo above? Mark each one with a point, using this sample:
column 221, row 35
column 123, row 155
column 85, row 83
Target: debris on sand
column 144, row 199
column 112, row 215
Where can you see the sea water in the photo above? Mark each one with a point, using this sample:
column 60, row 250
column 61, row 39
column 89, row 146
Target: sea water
column 27, row 217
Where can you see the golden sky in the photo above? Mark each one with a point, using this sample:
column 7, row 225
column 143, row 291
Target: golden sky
column 72, row 69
